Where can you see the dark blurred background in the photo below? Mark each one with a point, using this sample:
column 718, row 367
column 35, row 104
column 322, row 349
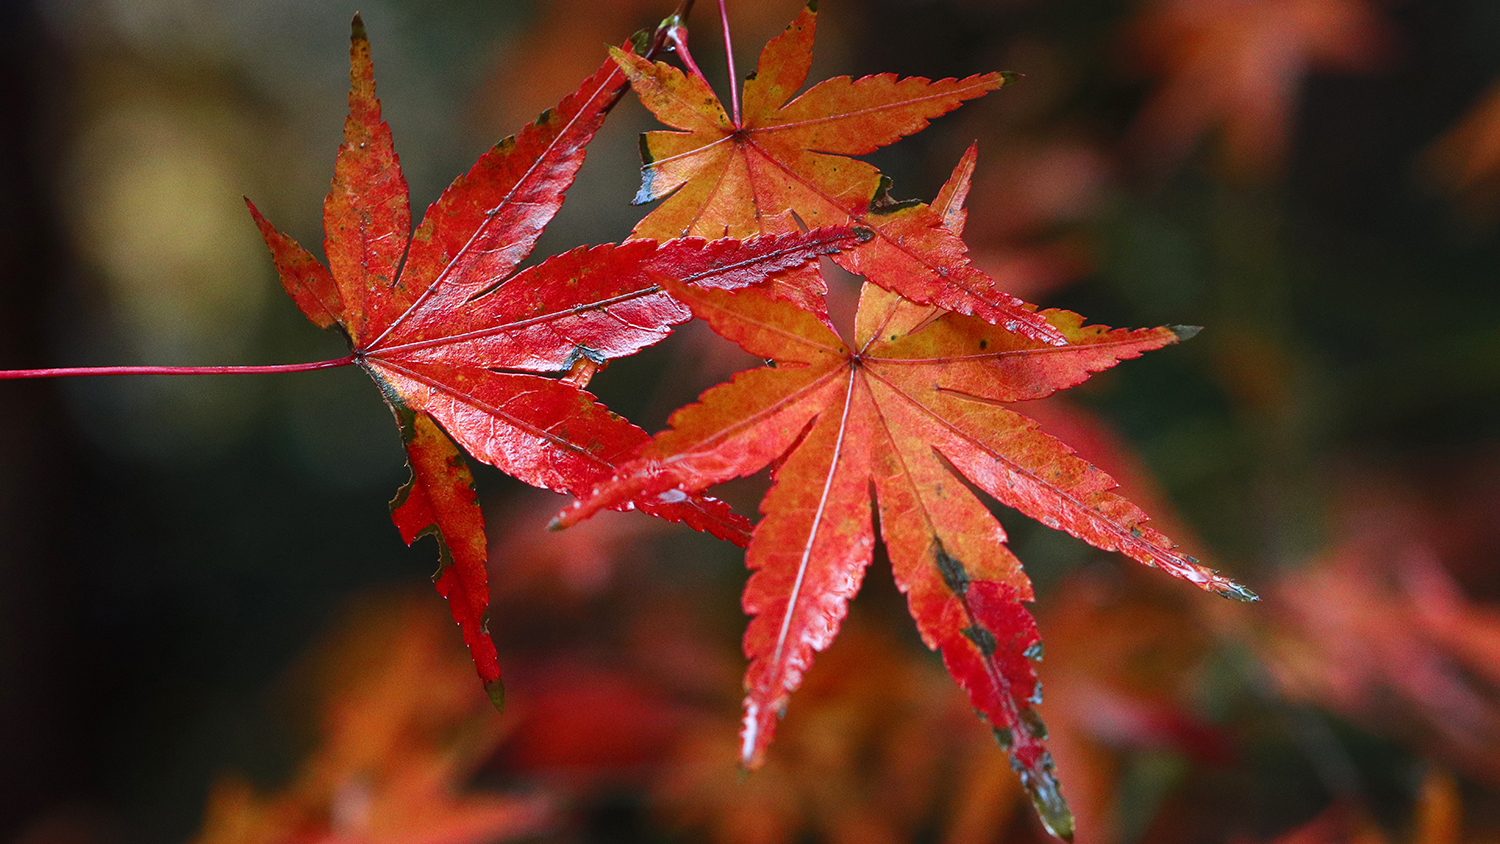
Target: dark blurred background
column 1317, row 182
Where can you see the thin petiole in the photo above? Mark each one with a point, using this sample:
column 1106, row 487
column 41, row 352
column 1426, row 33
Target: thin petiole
column 661, row 40
column 734, row 81
column 82, row 371
column 677, row 37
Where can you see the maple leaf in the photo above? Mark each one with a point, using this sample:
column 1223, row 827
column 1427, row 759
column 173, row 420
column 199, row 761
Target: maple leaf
column 908, row 410
column 454, row 336
column 784, row 164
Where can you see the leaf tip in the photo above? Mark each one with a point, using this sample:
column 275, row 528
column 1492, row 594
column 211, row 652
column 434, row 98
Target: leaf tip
column 647, row 190
column 812, row 6
column 1046, row 796
column 357, row 29
column 1010, row 77
column 1185, row 332
column 754, row 736
column 640, row 42
column 496, row 691
column 1236, row 592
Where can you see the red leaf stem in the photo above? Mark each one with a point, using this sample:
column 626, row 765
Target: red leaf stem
column 83, row 371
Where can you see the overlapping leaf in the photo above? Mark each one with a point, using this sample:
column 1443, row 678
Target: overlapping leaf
column 913, row 404
column 785, row 162
column 453, row 335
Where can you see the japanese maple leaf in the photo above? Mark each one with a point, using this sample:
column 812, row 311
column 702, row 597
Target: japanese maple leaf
column 908, row 410
column 453, row 335
column 782, row 164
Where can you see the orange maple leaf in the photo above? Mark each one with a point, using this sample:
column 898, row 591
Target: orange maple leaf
column 899, row 415
column 783, row 165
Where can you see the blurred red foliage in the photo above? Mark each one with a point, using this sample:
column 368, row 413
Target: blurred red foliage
column 1379, row 631
column 1235, row 66
column 400, row 727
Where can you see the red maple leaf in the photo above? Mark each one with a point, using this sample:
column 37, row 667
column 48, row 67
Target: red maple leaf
column 908, row 410
column 783, row 164
column 454, row 336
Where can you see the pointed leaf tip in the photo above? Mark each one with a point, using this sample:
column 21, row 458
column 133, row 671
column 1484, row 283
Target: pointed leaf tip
column 1053, row 810
column 496, row 691
column 640, row 42
column 1011, row 77
column 1185, row 332
column 357, row 29
column 1236, row 592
